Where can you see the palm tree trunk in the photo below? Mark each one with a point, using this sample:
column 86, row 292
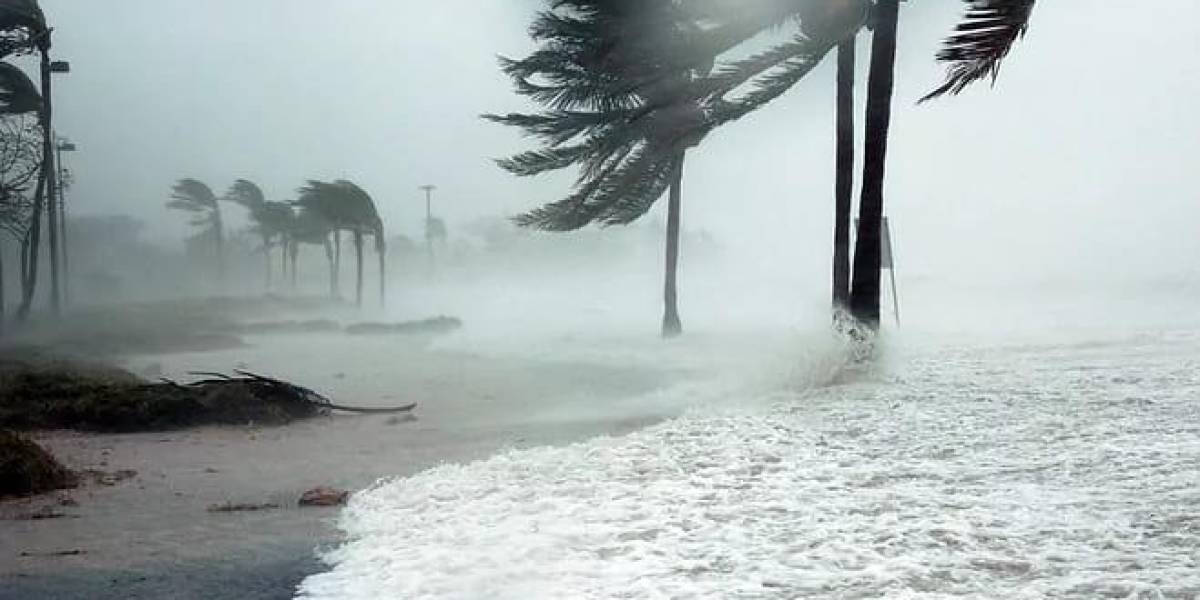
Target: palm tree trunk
column 358, row 255
column 48, row 166
column 844, row 188
column 381, row 248
column 864, row 296
column 337, row 262
column 267, row 253
column 671, row 325
column 294, row 251
column 220, row 240
column 2, row 307
column 332, row 268
column 30, row 248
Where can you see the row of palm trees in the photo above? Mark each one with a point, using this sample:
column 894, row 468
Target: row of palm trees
column 628, row 86
column 319, row 216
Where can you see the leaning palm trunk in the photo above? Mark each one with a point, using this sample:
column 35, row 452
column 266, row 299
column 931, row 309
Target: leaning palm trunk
column 672, row 326
column 358, row 259
column 864, row 295
column 844, row 188
column 29, row 250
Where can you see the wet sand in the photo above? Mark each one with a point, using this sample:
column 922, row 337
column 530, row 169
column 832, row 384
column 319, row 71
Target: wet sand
column 152, row 536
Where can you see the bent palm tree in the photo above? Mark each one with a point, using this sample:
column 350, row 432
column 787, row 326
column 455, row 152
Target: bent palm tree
column 271, row 219
column 345, row 206
column 195, row 197
column 616, row 87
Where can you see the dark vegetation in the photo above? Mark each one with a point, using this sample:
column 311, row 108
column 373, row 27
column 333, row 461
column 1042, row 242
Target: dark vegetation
column 27, row 469
column 63, row 397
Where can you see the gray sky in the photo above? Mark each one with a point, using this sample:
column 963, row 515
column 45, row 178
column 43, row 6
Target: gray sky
column 1079, row 162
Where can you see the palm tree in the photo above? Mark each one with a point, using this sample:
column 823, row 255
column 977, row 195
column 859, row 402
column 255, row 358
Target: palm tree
column 616, row 87
column 271, row 219
column 309, row 227
column 864, row 292
column 839, row 21
column 346, row 206
column 18, row 97
column 193, row 196
column 22, row 29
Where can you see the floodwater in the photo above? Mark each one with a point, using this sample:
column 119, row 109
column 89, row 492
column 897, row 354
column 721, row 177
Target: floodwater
column 998, row 470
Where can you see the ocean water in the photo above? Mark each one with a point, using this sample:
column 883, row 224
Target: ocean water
column 986, row 469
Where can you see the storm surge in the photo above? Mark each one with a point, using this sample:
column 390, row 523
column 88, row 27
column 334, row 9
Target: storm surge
column 1022, row 471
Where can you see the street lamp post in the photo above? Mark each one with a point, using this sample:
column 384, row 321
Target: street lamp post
column 64, row 145
column 428, row 189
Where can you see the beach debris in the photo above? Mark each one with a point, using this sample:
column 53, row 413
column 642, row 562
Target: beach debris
column 66, row 398
column 435, row 325
column 230, row 507
column 53, row 553
column 26, row 469
column 109, row 478
column 43, row 513
column 324, row 496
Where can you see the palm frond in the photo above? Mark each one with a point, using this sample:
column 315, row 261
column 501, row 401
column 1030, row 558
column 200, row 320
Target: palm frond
column 18, row 95
column 981, row 41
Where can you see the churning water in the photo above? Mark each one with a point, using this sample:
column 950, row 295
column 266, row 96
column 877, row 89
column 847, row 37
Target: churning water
column 1030, row 471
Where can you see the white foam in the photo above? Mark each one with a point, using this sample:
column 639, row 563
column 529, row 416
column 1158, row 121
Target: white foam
column 1069, row 471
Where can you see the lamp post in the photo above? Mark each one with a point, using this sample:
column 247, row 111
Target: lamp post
column 64, row 145
column 428, row 189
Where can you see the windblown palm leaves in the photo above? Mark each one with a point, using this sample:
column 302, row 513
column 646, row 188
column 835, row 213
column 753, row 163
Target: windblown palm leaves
column 18, row 95
column 196, row 198
column 345, row 206
column 22, row 26
column 618, row 105
column 981, row 41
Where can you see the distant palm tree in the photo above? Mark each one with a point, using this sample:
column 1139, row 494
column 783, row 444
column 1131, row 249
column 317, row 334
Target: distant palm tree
column 195, row 197
column 272, row 220
column 345, row 206
column 310, row 227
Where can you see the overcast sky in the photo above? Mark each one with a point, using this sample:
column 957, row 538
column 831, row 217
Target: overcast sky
column 1083, row 156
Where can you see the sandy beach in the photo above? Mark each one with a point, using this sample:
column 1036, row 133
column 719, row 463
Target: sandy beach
column 152, row 532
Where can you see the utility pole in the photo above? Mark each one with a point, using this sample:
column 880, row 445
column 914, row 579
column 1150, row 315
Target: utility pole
column 428, row 189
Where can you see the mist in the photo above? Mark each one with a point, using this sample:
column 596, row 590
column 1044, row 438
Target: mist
column 518, row 424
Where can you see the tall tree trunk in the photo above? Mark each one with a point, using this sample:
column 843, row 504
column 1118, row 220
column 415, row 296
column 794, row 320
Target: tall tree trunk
column 332, row 268
column 671, row 325
column 381, row 249
column 220, row 247
column 48, row 167
column 864, row 296
column 30, row 250
column 294, row 251
column 358, row 265
column 844, row 187
column 267, row 253
column 337, row 263
column 2, row 307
